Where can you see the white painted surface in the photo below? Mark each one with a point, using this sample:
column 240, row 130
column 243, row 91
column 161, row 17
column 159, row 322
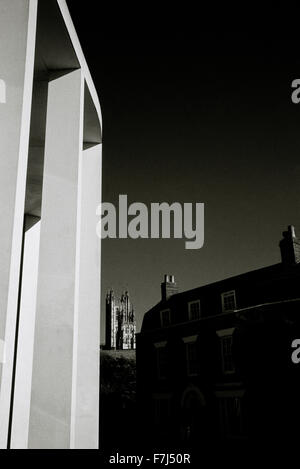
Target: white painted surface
column 17, row 45
column 21, row 406
column 56, row 318
column 63, row 412
column 77, row 47
column 2, row 351
column 86, row 410
column 2, row 92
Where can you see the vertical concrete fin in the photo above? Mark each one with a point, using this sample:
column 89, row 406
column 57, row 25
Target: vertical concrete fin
column 56, row 331
column 17, row 48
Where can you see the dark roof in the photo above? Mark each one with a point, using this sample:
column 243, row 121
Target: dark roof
column 268, row 277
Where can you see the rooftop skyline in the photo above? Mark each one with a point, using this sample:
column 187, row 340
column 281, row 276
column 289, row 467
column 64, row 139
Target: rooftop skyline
column 193, row 121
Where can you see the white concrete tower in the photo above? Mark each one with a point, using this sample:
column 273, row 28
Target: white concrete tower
column 50, row 187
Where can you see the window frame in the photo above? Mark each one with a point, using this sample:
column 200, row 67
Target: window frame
column 224, row 399
column 157, row 400
column 223, row 335
column 188, row 341
column 161, row 317
column 191, row 303
column 223, row 296
column 159, row 346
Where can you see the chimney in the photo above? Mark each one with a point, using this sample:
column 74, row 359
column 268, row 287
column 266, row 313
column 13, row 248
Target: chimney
column 290, row 247
column 168, row 287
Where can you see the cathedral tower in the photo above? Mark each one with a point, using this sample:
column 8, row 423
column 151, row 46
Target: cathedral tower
column 120, row 322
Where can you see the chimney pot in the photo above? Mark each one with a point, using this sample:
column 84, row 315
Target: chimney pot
column 291, row 229
column 290, row 247
column 168, row 287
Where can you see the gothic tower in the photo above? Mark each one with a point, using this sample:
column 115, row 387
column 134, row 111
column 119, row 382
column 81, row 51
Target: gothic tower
column 110, row 331
column 120, row 322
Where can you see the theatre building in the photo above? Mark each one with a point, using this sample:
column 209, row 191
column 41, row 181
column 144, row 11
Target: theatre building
column 214, row 363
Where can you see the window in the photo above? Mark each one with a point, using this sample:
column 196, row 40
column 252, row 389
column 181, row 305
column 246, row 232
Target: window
column 194, row 310
column 226, row 350
column 192, row 363
column 231, row 421
column 162, row 407
column 228, row 301
column 161, row 359
column 165, row 317
column 191, row 355
column 227, row 365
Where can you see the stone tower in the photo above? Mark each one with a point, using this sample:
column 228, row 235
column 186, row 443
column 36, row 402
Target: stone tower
column 120, row 322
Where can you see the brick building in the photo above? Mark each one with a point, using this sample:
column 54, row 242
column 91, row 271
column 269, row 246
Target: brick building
column 214, row 363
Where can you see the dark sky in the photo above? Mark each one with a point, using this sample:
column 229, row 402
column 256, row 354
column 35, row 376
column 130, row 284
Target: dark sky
column 210, row 121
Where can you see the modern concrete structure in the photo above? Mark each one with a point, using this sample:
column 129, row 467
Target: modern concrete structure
column 50, row 187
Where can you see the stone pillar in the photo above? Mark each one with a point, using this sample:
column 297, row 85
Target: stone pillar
column 17, row 46
column 53, row 398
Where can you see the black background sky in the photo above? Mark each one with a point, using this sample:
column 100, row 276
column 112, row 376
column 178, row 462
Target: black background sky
column 207, row 120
